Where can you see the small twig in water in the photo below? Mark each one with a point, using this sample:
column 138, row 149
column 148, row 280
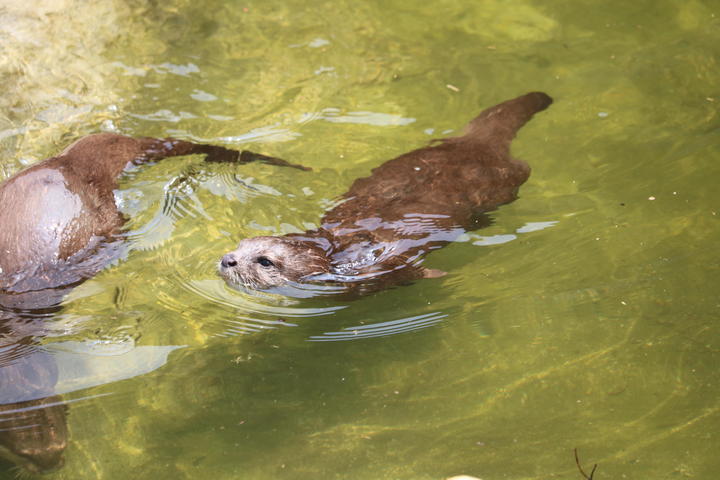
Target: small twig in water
column 582, row 472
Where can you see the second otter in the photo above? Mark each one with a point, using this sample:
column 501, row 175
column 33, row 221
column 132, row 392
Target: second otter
column 59, row 225
column 408, row 206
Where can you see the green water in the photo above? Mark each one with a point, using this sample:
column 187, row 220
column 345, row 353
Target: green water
column 585, row 317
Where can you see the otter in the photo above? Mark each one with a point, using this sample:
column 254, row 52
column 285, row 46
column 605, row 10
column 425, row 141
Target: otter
column 385, row 224
column 59, row 226
column 57, row 214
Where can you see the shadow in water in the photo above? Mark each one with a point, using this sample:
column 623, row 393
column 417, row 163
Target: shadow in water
column 34, row 377
column 33, row 424
column 48, row 251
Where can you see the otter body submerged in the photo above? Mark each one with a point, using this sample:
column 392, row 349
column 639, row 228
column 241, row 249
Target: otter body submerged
column 58, row 226
column 58, row 213
column 408, row 206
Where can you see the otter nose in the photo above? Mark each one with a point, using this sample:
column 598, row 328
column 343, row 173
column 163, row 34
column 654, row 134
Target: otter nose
column 228, row 260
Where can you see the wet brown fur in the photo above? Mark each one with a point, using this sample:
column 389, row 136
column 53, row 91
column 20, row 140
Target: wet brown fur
column 414, row 203
column 58, row 220
column 51, row 212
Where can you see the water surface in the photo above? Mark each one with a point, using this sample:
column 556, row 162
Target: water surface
column 584, row 317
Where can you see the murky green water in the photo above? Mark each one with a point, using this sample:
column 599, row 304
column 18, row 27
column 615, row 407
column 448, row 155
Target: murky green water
column 585, row 317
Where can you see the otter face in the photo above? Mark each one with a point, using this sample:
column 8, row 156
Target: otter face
column 265, row 262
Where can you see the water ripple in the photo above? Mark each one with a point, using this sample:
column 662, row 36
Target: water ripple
column 334, row 115
column 382, row 329
column 254, row 302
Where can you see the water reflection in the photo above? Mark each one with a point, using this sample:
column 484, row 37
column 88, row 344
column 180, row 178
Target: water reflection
column 82, row 365
column 33, row 377
column 33, row 426
column 382, row 329
column 254, row 311
column 256, row 302
column 33, row 432
column 334, row 115
column 500, row 238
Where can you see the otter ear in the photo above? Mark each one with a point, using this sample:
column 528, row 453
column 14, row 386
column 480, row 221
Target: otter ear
column 432, row 273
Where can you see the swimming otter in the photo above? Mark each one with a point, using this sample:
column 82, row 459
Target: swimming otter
column 54, row 214
column 408, row 206
column 58, row 226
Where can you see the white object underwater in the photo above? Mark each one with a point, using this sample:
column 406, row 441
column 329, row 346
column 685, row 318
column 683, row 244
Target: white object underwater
column 89, row 364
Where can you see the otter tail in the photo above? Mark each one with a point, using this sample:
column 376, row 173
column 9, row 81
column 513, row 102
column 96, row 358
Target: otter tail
column 499, row 124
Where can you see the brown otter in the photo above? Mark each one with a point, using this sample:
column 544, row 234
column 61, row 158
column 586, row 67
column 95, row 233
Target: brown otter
column 58, row 226
column 54, row 214
column 408, row 206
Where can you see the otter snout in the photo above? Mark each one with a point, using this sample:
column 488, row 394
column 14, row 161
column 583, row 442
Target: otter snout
column 228, row 260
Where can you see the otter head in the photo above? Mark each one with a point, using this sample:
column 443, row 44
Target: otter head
column 265, row 262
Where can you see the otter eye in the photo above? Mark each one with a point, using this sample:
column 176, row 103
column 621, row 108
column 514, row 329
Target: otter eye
column 265, row 262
